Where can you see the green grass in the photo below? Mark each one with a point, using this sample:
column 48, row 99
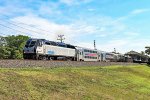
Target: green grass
column 84, row 83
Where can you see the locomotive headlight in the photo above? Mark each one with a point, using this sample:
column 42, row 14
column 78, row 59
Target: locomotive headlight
column 24, row 51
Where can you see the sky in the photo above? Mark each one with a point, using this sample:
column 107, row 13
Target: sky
column 120, row 24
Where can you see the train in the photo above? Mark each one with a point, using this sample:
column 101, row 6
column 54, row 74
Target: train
column 42, row 49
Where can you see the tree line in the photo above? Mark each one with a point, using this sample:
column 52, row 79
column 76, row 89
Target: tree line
column 11, row 47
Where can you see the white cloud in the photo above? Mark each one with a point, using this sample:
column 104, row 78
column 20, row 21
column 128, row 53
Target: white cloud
column 139, row 11
column 101, row 27
column 51, row 28
column 132, row 14
column 49, row 8
column 76, row 29
column 132, row 34
column 48, row 29
column 67, row 2
column 91, row 9
column 36, row 7
column 124, row 45
column 75, row 2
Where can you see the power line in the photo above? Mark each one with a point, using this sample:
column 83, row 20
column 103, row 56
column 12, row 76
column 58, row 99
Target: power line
column 27, row 25
column 13, row 29
column 2, row 33
column 20, row 26
column 32, row 26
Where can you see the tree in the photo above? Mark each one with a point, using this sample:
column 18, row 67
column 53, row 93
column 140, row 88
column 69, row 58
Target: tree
column 147, row 51
column 11, row 46
column 142, row 52
column 4, row 52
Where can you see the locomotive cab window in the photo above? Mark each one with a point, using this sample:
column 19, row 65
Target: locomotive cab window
column 32, row 43
column 27, row 43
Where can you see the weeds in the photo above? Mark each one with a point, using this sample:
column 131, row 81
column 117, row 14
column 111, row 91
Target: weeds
column 84, row 83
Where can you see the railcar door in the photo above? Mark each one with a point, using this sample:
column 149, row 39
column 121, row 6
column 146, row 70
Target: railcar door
column 80, row 55
column 102, row 57
column 40, row 47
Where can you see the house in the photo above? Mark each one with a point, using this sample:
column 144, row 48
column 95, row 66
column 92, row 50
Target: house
column 137, row 57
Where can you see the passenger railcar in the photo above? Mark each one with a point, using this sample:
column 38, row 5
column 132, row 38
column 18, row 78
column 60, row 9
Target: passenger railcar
column 107, row 56
column 85, row 54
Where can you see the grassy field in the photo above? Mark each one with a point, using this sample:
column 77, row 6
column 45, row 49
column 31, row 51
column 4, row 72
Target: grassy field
column 84, row 83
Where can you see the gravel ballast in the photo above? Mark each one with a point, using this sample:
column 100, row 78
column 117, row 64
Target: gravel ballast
column 52, row 64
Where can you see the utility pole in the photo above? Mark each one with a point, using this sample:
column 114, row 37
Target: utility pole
column 60, row 37
column 114, row 50
column 94, row 45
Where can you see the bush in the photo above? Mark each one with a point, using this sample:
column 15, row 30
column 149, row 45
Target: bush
column 148, row 61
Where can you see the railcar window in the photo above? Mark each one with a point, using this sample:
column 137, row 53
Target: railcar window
column 70, row 46
column 85, row 50
column 61, row 45
column 53, row 43
column 47, row 43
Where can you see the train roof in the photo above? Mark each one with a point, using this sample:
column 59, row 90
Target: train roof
column 60, row 43
column 77, row 47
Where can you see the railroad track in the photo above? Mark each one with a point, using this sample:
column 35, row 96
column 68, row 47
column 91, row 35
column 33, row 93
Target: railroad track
column 51, row 64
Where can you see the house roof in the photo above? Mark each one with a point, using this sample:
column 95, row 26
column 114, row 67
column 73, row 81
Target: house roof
column 136, row 53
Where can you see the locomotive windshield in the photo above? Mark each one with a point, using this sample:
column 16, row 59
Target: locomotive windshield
column 30, row 43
